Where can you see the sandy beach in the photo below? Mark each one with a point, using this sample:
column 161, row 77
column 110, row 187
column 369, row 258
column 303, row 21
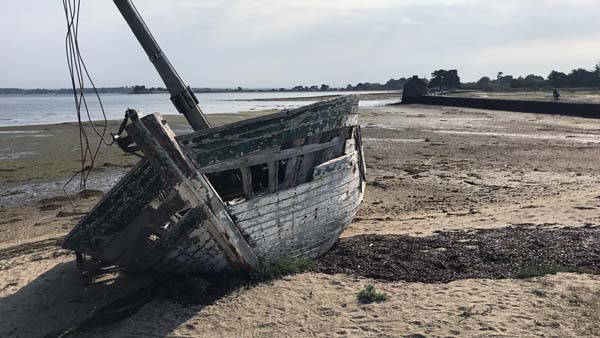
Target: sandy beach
column 448, row 183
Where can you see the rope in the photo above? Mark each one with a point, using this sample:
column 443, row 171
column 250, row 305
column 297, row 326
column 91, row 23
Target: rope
column 79, row 76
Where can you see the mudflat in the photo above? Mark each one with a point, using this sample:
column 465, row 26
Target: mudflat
column 475, row 223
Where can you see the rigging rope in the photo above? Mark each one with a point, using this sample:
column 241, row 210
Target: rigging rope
column 79, row 74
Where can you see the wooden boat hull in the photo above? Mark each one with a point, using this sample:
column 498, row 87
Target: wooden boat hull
column 304, row 221
column 302, row 178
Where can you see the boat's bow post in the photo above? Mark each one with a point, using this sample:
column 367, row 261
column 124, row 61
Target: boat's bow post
column 182, row 96
column 157, row 142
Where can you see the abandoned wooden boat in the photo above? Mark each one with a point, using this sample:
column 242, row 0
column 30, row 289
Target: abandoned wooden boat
column 282, row 185
column 229, row 197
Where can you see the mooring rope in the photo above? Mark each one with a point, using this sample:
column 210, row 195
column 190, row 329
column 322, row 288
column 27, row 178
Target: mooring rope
column 79, row 76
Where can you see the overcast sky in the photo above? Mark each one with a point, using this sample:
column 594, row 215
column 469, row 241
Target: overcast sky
column 273, row 43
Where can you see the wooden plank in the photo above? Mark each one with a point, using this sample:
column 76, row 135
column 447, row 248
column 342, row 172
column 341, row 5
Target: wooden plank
column 335, row 165
column 307, row 163
column 333, row 152
column 291, row 167
column 361, row 154
column 157, row 141
column 273, row 176
column 247, row 182
column 266, row 156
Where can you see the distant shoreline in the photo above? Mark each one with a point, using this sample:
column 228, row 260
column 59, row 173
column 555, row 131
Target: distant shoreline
column 129, row 91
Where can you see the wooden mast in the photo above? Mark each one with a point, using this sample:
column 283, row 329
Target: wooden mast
column 181, row 95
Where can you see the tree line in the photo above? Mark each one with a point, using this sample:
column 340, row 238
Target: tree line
column 391, row 84
column 441, row 79
column 577, row 78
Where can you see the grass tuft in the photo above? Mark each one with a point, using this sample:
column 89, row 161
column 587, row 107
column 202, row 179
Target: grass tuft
column 370, row 295
column 282, row 267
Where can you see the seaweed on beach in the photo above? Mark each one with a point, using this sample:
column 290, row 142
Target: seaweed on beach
column 518, row 251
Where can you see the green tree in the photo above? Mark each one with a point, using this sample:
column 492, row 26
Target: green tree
column 558, row 79
column 581, row 78
column 437, row 79
column 452, row 80
column 139, row 89
column 445, row 79
column 485, row 83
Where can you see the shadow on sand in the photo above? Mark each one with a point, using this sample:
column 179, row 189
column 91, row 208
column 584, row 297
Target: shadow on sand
column 65, row 301
column 63, row 298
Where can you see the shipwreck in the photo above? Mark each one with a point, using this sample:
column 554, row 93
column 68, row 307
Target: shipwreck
column 226, row 198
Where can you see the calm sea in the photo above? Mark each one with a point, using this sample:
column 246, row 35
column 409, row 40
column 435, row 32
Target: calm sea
column 16, row 110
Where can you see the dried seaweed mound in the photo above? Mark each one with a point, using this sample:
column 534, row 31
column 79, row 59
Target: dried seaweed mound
column 518, row 251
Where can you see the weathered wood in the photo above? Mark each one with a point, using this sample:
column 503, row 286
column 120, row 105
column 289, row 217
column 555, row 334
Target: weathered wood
column 312, row 210
column 115, row 211
column 187, row 238
column 247, row 186
column 306, row 220
column 238, row 139
column 295, row 204
column 270, row 203
column 273, row 176
column 361, row 156
column 303, row 220
column 335, row 165
column 303, row 233
column 350, row 146
column 291, row 167
column 266, row 156
column 158, row 143
column 148, row 222
column 292, row 218
column 307, row 162
column 336, row 151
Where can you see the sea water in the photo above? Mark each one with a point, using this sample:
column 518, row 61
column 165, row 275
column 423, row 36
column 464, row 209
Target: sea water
column 29, row 109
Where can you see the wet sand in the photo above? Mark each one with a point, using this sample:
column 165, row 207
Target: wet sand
column 437, row 176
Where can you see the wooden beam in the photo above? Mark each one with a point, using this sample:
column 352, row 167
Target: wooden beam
column 267, row 156
column 308, row 160
column 273, row 175
column 247, row 182
column 291, row 167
